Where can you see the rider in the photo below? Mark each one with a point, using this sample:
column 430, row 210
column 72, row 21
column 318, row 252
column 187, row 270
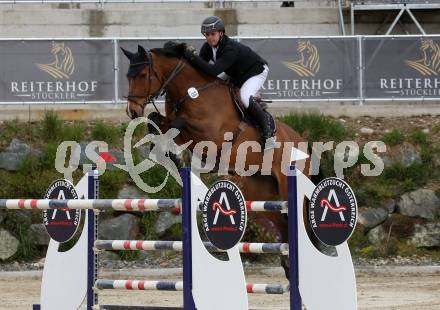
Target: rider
column 245, row 68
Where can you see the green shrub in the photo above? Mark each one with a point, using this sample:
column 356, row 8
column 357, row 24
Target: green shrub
column 51, row 126
column 317, row 127
column 106, row 133
column 418, row 137
column 74, row 132
column 394, row 137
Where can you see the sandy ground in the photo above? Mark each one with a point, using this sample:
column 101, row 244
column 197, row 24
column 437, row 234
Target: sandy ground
column 392, row 289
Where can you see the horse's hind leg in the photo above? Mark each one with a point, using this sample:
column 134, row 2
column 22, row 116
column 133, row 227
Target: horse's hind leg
column 266, row 188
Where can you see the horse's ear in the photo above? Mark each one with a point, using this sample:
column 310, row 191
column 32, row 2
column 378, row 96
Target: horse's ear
column 308, row 44
column 142, row 51
column 127, row 53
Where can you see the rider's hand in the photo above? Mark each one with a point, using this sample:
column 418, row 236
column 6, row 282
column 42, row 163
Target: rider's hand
column 190, row 52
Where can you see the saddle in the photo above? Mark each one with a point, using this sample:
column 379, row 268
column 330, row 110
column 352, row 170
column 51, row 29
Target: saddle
column 245, row 117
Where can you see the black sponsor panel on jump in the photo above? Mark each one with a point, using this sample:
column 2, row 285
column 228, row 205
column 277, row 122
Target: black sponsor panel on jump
column 401, row 68
column 333, row 211
column 224, row 215
column 309, row 68
column 61, row 224
column 56, row 71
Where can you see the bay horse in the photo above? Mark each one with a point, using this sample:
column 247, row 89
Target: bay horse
column 208, row 117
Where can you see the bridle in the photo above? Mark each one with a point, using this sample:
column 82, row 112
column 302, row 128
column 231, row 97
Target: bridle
column 148, row 96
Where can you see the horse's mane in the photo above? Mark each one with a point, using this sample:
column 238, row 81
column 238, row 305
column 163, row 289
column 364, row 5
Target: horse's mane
column 171, row 49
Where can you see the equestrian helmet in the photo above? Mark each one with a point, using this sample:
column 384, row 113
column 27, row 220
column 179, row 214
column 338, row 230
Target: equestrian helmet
column 212, row 24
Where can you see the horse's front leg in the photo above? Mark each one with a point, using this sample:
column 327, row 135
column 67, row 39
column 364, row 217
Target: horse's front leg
column 161, row 125
column 159, row 121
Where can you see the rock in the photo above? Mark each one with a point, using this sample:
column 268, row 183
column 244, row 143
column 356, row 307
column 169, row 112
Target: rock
column 15, row 154
column 342, row 120
column 419, row 203
column 39, row 234
column 131, row 192
column 366, row 131
column 377, row 235
column 8, row 245
column 389, row 205
column 11, row 161
column 17, row 147
column 118, row 155
column 426, row 130
column 24, row 216
column 123, row 227
column 426, row 235
column 165, row 221
column 144, row 150
column 405, row 154
column 119, row 159
column 371, row 217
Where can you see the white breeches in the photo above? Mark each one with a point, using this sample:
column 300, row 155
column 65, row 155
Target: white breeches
column 252, row 86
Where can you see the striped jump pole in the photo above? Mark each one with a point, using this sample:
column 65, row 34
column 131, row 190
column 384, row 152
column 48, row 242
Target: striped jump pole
column 263, row 206
column 144, row 285
column 140, row 205
column 141, row 245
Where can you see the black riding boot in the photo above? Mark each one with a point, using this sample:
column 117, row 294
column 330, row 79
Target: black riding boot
column 263, row 119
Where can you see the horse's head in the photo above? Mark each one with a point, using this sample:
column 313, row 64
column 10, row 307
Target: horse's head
column 305, row 50
column 429, row 50
column 57, row 48
column 143, row 82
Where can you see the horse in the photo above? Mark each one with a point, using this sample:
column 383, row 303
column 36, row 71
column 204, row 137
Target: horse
column 208, row 117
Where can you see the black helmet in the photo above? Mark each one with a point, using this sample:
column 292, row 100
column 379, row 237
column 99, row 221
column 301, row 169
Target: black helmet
column 212, row 24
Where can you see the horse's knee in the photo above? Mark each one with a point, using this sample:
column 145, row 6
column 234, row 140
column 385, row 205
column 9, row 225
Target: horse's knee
column 157, row 119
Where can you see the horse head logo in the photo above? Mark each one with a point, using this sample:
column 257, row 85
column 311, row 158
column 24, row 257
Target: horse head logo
column 63, row 64
column 308, row 63
column 429, row 63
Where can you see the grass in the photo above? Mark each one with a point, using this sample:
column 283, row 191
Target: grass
column 317, row 127
column 51, row 126
column 75, row 132
column 418, row 137
column 394, row 137
column 107, row 133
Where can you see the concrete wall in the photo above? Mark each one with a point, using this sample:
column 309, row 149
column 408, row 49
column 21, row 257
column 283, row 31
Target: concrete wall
column 179, row 19
column 35, row 112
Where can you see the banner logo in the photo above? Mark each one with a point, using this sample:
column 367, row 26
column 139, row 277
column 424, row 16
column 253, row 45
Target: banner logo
column 308, row 64
column 63, row 65
column 60, row 86
column 429, row 63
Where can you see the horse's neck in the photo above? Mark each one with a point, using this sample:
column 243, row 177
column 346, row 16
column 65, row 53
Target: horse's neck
column 210, row 109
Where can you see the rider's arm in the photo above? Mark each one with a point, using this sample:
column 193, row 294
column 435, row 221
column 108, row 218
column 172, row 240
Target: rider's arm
column 204, row 52
column 221, row 65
